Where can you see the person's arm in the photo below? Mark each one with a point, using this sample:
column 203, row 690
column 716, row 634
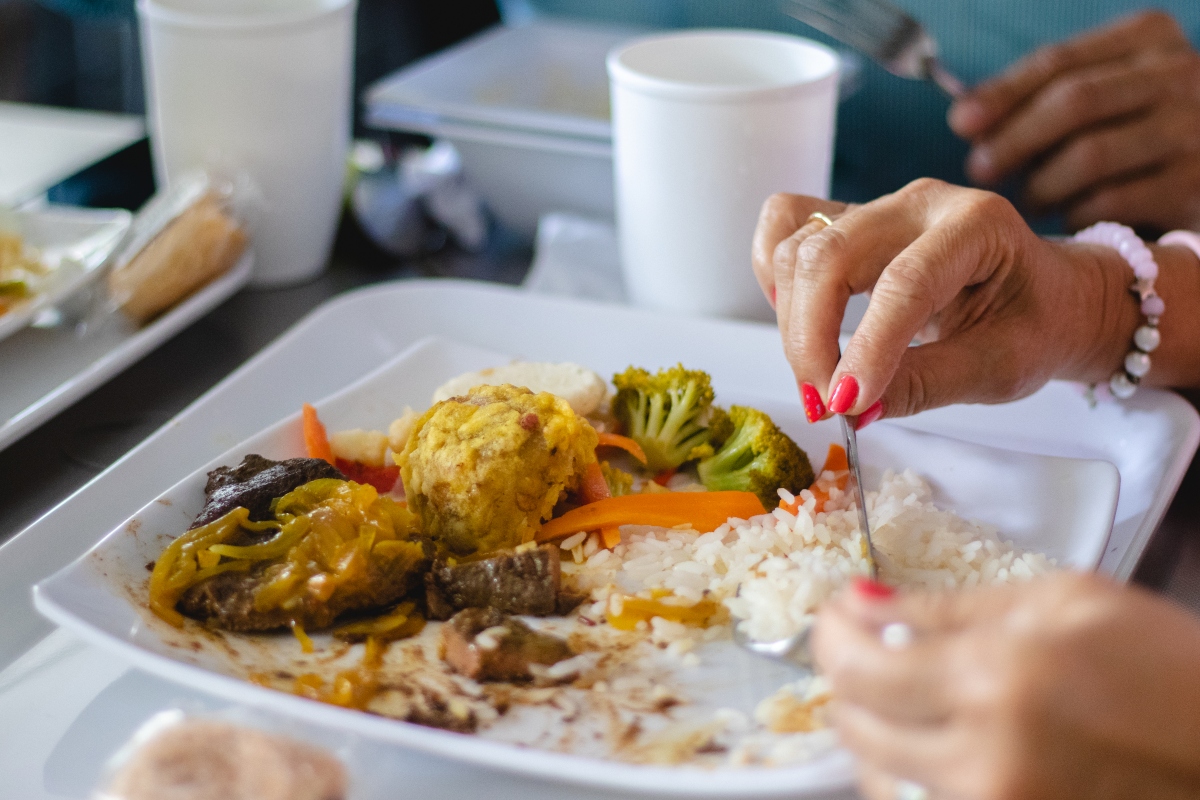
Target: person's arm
column 1067, row 687
column 999, row 310
column 1105, row 126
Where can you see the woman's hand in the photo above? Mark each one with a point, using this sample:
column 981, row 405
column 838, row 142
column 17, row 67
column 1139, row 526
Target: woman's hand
column 1000, row 311
column 1066, row 687
column 1105, row 126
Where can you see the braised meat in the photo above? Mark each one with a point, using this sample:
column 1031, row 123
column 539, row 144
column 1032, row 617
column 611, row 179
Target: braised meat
column 529, row 582
column 255, row 482
column 487, row 645
column 331, row 546
column 227, row 601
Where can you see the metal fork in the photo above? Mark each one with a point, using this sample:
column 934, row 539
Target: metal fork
column 882, row 32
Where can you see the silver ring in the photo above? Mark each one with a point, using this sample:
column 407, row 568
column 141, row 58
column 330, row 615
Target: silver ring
column 817, row 215
column 907, row 790
column 896, row 636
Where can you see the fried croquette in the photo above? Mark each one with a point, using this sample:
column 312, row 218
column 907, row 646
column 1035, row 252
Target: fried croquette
column 485, row 469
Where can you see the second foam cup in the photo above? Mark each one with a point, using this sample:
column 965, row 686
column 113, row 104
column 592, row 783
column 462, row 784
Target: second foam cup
column 706, row 125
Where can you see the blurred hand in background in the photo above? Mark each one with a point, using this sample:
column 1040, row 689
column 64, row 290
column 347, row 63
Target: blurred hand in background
column 1104, row 126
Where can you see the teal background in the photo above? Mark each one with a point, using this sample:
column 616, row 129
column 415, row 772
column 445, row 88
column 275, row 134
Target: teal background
column 892, row 130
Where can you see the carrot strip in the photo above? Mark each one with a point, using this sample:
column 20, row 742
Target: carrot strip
column 593, row 487
column 610, row 536
column 316, row 443
column 623, row 442
column 705, row 511
column 836, row 459
column 836, row 462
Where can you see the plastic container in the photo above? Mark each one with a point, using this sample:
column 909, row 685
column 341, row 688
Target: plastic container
column 528, row 109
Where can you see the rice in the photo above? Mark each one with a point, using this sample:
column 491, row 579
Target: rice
column 773, row 571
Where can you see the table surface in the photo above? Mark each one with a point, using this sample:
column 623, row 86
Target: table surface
column 61, row 456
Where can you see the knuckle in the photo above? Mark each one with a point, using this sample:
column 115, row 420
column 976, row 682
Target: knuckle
column 1159, row 22
column 925, row 187
column 1049, row 60
column 824, row 253
column 777, row 203
column 1073, row 96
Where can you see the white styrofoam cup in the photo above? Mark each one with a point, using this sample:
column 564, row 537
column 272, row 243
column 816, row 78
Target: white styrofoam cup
column 706, row 125
column 260, row 88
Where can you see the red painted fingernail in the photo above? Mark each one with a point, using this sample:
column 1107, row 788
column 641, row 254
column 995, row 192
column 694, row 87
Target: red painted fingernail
column 873, row 412
column 814, row 408
column 872, row 590
column 772, row 297
column 844, row 395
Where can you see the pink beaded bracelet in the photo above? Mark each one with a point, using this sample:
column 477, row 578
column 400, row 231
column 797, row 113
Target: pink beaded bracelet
column 1146, row 338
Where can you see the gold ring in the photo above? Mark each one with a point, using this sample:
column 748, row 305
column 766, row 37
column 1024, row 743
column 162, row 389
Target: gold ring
column 817, row 215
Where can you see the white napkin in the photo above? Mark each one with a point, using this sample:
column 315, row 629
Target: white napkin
column 576, row 257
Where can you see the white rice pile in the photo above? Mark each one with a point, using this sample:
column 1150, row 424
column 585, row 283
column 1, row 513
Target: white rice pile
column 772, row 571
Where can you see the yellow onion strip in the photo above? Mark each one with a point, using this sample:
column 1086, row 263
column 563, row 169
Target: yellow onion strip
column 182, row 565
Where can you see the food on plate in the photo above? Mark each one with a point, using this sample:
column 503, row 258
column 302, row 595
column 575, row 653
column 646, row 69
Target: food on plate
column 202, row 242
column 484, row 469
column 619, row 481
column 210, row 760
column 575, row 570
column 356, row 444
column 583, row 389
column 488, row 645
column 753, row 455
column 255, row 484
column 22, row 272
column 330, row 546
column 526, row 581
column 668, row 414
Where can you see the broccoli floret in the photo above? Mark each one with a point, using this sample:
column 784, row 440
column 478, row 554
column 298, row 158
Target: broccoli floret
column 667, row 413
column 756, row 457
column 619, row 481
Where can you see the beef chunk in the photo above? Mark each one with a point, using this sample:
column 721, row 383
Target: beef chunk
column 255, row 483
column 516, row 583
column 487, row 645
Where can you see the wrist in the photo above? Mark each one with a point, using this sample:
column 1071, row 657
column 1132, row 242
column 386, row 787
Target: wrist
column 1109, row 313
column 1177, row 360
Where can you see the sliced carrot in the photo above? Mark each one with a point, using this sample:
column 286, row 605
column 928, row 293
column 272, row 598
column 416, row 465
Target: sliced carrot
column 316, row 443
column 593, row 487
column 835, row 462
column 610, row 536
column 623, row 442
column 705, row 511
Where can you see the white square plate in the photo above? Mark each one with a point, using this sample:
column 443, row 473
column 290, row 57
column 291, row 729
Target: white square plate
column 1061, row 506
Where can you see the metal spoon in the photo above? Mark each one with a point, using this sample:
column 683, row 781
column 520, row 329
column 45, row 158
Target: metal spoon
column 794, row 649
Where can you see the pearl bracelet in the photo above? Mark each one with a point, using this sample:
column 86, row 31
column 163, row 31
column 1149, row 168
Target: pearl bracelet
column 1146, row 338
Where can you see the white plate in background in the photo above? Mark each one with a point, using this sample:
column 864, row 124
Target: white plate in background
column 1060, row 506
column 47, row 369
column 75, row 243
